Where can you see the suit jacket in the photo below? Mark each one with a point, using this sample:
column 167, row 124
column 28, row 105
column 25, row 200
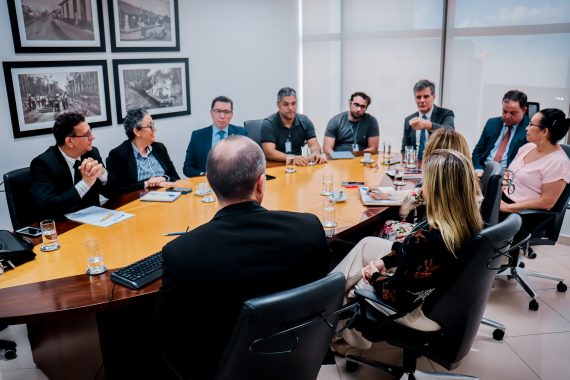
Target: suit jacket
column 53, row 190
column 440, row 118
column 245, row 251
column 199, row 146
column 489, row 137
column 122, row 167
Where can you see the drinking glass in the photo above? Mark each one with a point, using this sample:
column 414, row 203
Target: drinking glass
column 290, row 164
column 327, row 184
column 95, row 263
column 49, row 236
column 367, row 157
column 399, row 176
column 202, row 188
column 410, row 157
column 329, row 208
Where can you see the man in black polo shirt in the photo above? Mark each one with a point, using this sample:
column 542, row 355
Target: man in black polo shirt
column 286, row 131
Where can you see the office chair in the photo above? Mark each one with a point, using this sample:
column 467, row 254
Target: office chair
column 17, row 184
column 492, row 189
column 284, row 335
column 253, row 128
column 539, row 227
column 457, row 308
column 532, row 108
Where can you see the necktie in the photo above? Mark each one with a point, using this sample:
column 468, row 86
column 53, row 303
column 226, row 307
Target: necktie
column 503, row 146
column 422, row 141
column 222, row 135
column 76, row 172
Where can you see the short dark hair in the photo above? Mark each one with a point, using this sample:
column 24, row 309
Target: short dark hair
column 424, row 83
column 133, row 120
column 223, row 99
column 286, row 91
column 362, row 95
column 234, row 166
column 556, row 122
column 516, row 96
column 64, row 125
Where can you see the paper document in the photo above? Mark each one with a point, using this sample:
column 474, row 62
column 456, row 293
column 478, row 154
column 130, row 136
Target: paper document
column 98, row 216
column 161, row 196
column 341, row 155
column 396, row 197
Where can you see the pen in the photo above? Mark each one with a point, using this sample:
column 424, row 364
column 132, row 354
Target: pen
column 110, row 214
column 174, row 233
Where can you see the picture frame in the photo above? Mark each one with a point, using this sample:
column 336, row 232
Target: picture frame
column 144, row 25
column 162, row 85
column 39, row 91
column 57, row 26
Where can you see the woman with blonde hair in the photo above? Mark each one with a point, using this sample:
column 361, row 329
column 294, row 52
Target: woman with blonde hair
column 427, row 256
column 447, row 139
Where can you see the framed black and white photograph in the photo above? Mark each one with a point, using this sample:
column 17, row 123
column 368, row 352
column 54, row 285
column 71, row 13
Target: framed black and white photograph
column 57, row 26
column 160, row 85
column 38, row 92
column 144, row 25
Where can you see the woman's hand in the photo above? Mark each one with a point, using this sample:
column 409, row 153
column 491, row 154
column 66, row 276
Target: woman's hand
column 376, row 193
column 371, row 268
column 505, row 207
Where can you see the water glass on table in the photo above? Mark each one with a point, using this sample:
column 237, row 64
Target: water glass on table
column 327, row 184
column 49, row 236
column 290, row 164
column 410, row 157
column 95, row 263
column 399, row 176
column 329, row 208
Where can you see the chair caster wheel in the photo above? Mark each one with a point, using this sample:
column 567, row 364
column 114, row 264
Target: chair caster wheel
column 351, row 366
column 561, row 287
column 522, row 265
column 531, row 254
column 10, row 354
column 498, row 334
column 533, row 305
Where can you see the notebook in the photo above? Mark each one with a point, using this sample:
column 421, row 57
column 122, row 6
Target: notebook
column 341, row 155
column 161, row 196
column 396, row 197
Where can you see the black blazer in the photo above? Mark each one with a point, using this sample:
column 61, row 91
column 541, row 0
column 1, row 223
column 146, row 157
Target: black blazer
column 440, row 118
column 53, row 190
column 122, row 167
column 243, row 252
column 489, row 137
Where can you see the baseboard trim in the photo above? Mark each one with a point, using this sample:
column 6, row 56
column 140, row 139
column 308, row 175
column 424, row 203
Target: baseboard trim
column 563, row 239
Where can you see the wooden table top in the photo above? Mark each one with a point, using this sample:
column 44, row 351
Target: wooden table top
column 57, row 281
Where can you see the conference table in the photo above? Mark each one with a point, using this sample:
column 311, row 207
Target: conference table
column 78, row 324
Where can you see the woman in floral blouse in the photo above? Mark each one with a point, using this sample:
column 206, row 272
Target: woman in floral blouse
column 423, row 261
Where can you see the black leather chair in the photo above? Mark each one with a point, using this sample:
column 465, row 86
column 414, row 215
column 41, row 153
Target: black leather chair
column 17, row 184
column 532, row 108
column 285, row 335
column 253, row 128
column 458, row 308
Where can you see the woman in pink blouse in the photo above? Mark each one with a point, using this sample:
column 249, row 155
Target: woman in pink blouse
column 541, row 169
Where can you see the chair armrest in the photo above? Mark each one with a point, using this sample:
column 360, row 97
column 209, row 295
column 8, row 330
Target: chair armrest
column 537, row 212
column 370, row 295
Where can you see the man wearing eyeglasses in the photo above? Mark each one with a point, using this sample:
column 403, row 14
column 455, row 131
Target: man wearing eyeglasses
column 503, row 136
column 70, row 175
column 420, row 125
column 202, row 140
column 286, row 131
column 353, row 130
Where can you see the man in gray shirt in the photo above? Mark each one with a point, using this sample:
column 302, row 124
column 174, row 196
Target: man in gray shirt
column 353, row 130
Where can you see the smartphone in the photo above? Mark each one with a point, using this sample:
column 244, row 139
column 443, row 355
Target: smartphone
column 183, row 190
column 269, row 177
column 352, row 183
column 30, row 231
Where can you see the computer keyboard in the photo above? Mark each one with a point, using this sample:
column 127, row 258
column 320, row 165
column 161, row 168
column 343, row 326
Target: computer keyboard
column 139, row 273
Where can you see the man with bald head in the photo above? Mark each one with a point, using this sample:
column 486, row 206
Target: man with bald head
column 245, row 251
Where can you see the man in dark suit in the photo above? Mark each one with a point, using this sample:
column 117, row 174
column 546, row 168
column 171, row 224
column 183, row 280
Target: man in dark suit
column 70, row 175
column 503, row 136
column 419, row 125
column 245, row 251
column 202, row 140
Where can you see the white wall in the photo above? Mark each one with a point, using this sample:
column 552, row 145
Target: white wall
column 245, row 49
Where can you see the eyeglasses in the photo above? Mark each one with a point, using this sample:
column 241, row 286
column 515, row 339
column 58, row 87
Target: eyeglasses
column 531, row 124
column 358, row 105
column 222, row 112
column 149, row 126
column 87, row 135
column 508, row 181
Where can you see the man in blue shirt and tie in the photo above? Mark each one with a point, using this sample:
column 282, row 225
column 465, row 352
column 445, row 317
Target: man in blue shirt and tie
column 419, row 125
column 503, row 136
column 204, row 139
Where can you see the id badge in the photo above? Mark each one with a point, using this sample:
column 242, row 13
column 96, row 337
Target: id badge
column 355, row 147
column 288, row 148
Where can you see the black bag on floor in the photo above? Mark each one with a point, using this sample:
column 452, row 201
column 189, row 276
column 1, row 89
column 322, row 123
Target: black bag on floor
column 14, row 250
